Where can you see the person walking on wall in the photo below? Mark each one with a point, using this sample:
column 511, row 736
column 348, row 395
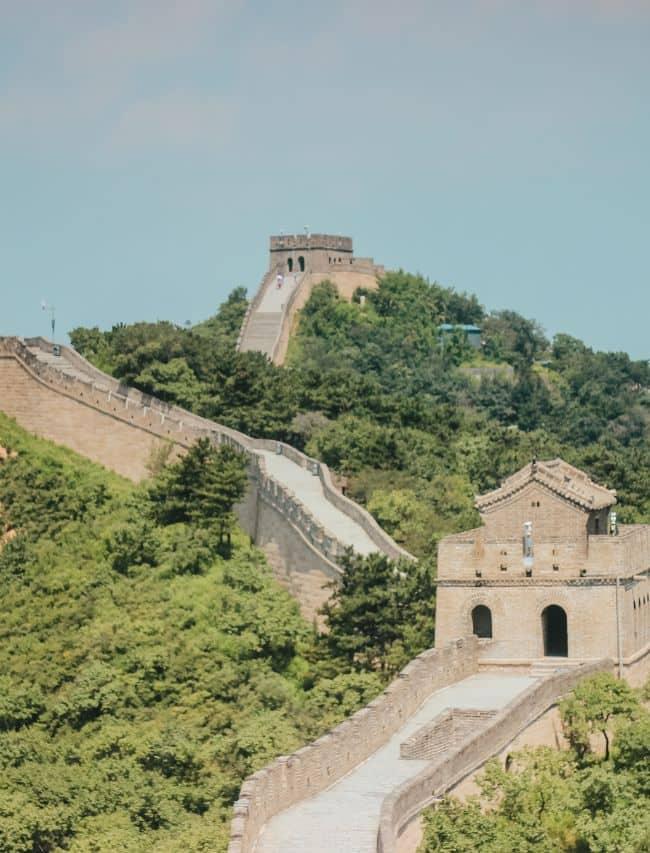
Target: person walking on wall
column 279, row 280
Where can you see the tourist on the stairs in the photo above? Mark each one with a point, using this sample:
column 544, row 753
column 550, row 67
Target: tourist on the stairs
column 279, row 280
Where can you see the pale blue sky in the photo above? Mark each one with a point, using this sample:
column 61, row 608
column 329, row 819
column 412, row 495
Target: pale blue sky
column 149, row 148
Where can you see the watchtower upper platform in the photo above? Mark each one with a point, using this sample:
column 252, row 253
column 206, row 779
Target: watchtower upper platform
column 317, row 253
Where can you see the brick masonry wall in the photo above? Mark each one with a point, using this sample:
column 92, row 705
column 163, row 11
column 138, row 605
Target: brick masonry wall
column 517, row 618
column 346, row 281
column 445, row 732
column 79, row 426
column 553, row 518
column 315, row 767
column 120, row 427
column 442, row 774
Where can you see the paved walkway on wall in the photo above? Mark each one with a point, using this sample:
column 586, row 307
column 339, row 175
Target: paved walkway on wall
column 308, row 488
column 265, row 322
column 345, row 817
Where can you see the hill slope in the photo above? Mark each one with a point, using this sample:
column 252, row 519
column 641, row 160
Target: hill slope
column 417, row 423
column 144, row 675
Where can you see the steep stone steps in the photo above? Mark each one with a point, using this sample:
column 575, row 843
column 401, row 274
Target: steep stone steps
column 547, row 666
column 264, row 322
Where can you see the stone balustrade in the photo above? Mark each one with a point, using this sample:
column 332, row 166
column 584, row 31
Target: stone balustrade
column 179, row 426
column 315, row 767
column 441, row 775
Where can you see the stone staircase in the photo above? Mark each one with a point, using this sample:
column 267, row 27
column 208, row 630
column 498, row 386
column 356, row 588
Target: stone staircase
column 263, row 323
column 550, row 665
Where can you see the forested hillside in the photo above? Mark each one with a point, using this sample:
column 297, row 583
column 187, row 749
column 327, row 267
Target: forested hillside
column 375, row 391
column 149, row 661
column 147, row 664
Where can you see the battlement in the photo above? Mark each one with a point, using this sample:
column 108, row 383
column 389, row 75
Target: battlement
column 317, row 254
column 310, row 243
column 550, row 573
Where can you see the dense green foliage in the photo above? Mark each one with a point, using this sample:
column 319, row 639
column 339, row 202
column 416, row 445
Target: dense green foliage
column 201, row 488
column 373, row 390
column 145, row 670
column 576, row 801
column 381, row 614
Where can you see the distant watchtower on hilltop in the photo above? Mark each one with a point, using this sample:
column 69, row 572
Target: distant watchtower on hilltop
column 317, row 253
column 297, row 263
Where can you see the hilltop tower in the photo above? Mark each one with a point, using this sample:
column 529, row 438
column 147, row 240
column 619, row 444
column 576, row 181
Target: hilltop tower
column 297, row 263
column 550, row 574
column 317, row 253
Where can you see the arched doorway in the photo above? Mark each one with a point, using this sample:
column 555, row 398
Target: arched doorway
column 301, row 263
column 554, row 630
column 290, row 264
column 482, row 622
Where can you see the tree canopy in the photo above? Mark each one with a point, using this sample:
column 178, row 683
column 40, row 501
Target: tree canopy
column 144, row 670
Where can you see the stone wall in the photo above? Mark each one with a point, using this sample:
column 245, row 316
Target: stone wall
column 552, row 517
column 410, row 798
column 345, row 281
column 120, row 427
column 66, row 419
column 315, row 767
column 516, row 608
column 447, row 731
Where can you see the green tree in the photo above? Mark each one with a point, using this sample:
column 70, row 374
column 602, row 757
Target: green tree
column 594, row 706
column 380, row 612
column 201, row 488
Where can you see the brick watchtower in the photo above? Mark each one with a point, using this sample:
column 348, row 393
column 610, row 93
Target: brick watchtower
column 317, row 253
column 549, row 574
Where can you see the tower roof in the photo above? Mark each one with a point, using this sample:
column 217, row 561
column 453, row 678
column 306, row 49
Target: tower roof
column 557, row 476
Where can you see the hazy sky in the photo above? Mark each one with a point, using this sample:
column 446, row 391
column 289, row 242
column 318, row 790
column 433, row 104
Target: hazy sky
column 148, row 148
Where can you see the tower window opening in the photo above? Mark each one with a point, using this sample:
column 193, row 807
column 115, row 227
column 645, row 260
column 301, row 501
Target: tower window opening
column 482, row 622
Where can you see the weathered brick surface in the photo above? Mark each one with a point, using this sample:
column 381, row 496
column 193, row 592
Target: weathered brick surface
column 315, row 767
column 451, row 766
column 445, row 733
column 575, row 566
column 314, row 258
column 80, row 426
column 119, row 427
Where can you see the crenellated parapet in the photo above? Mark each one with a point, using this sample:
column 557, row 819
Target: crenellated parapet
column 313, row 768
column 66, row 399
column 550, row 573
column 310, row 242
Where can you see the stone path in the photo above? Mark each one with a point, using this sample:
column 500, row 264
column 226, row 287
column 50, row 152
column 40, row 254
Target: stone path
column 308, row 488
column 265, row 322
column 345, row 817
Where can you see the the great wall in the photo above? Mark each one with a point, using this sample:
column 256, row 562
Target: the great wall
column 451, row 708
column 292, row 509
column 302, row 262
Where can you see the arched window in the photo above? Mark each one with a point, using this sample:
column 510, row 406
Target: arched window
column 482, row 622
column 301, row 263
column 290, row 264
column 554, row 630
